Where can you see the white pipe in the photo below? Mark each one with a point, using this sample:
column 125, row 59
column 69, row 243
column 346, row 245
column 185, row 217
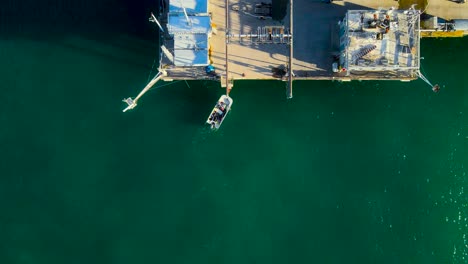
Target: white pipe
column 189, row 22
column 260, row 35
column 157, row 22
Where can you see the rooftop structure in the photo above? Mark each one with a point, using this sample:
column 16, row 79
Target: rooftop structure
column 191, row 50
column 192, row 7
column 178, row 25
column 189, row 34
column 380, row 42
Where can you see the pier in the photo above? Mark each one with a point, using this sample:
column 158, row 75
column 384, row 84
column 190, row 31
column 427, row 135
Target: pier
column 229, row 40
column 253, row 46
column 447, row 9
column 247, row 44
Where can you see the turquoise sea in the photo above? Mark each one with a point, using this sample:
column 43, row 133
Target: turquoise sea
column 359, row 172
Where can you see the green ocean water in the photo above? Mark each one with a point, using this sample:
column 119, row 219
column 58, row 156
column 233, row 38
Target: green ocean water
column 359, row 172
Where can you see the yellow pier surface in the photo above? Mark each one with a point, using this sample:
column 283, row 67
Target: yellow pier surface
column 446, row 9
column 442, row 34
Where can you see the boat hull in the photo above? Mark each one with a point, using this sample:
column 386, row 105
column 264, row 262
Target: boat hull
column 219, row 112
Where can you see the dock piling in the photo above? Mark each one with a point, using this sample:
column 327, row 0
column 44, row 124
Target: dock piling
column 289, row 92
column 228, row 83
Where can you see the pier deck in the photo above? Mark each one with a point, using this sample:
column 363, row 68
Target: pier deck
column 447, row 9
column 217, row 43
column 315, row 40
column 315, row 33
column 246, row 60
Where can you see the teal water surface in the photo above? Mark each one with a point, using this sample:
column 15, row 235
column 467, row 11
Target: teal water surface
column 359, row 172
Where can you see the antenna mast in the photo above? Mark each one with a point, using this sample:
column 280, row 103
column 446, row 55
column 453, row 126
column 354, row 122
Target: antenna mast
column 153, row 19
column 189, row 22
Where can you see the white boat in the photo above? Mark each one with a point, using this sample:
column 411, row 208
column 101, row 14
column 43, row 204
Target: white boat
column 219, row 112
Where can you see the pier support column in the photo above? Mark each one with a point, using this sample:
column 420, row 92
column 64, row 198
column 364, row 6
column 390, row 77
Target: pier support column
column 289, row 92
column 228, row 81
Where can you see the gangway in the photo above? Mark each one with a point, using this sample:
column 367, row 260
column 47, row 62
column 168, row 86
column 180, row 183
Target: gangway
column 435, row 88
column 132, row 103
